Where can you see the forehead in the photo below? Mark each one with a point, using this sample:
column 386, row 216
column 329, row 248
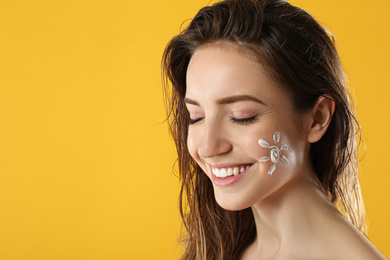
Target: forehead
column 222, row 55
column 216, row 70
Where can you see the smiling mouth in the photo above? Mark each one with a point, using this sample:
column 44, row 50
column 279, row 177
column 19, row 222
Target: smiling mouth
column 224, row 173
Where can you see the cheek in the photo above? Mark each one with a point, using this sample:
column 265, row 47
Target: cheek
column 191, row 144
column 275, row 150
column 251, row 141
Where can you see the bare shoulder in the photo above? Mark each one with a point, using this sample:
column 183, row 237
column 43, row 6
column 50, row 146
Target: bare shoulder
column 359, row 247
column 338, row 239
column 350, row 243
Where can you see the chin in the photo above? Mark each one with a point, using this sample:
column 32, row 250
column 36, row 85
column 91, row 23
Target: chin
column 232, row 204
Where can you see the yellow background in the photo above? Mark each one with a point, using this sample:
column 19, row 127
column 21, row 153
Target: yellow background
column 85, row 158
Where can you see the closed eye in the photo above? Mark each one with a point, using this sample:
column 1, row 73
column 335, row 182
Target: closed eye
column 194, row 121
column 240, row 121
column 244, row 121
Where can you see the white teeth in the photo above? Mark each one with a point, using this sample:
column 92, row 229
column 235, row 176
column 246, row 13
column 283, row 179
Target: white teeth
column 225, row 172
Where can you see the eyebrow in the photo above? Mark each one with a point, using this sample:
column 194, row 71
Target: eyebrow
column 228, row 100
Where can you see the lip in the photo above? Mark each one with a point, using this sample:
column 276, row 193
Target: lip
column 229, row 181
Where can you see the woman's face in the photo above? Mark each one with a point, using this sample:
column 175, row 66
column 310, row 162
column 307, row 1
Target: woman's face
column 232, row 105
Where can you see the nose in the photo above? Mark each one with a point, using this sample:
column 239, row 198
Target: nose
column 213, row 141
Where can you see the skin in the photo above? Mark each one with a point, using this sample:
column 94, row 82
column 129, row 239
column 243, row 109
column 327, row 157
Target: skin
column 294, row 217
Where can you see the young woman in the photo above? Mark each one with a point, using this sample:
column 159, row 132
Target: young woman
column 265, row 135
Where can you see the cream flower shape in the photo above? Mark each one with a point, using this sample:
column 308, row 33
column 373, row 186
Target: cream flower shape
column 275, row 152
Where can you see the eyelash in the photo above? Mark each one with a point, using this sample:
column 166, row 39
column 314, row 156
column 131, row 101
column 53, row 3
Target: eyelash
column 193, row 121
column 243, row 121
column 240, row 121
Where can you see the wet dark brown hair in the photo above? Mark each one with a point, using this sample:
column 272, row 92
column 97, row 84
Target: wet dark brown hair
column 301, row 57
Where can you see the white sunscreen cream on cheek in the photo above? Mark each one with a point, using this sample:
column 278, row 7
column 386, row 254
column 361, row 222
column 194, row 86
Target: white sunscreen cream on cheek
column 277, row 152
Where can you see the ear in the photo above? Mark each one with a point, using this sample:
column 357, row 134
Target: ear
column 320, row 118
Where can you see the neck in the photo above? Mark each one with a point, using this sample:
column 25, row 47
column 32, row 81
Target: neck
column 291, row 216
